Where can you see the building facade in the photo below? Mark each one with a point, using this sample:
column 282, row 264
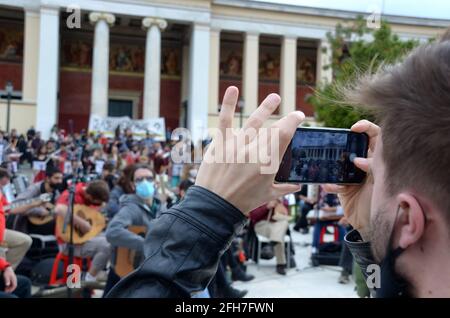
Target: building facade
column 171, row 58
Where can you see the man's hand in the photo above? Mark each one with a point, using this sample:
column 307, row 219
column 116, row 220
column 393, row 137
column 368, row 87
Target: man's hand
column 355, row 199
column 10, row 279
column 243, row 184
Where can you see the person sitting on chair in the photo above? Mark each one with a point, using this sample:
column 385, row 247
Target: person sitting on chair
column 51, row 185
column 328, row 212
column 272, row 221
column 93, row 194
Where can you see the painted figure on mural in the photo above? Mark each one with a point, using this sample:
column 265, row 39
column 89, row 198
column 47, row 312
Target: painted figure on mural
column 11, row 44
column 122, row 59
column 269, row 67
column 306, row 71
column 138, row 60
column 170, row 66
column 231, row 65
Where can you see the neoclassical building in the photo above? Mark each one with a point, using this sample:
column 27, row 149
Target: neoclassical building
column 164, row 58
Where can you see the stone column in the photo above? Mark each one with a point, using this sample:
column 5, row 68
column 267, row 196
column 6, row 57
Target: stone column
column 47, row 84
column 30, row 55
column 199, row 82
column 152, row 79
column 250, row 72
column 288, row 78
column 100, row 62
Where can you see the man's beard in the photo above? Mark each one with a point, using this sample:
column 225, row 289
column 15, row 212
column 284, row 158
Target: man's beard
column 380, row 231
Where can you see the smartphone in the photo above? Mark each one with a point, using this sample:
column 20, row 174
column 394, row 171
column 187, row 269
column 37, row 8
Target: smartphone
column 323, row 155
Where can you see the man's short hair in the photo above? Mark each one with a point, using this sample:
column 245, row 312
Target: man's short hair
column 4, row 173
column 140, row 166
column 99, row 190
column 411, row 103
column 109, row 166
column 51, row 171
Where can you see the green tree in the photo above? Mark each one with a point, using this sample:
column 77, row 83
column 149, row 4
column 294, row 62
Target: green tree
column 353, row 54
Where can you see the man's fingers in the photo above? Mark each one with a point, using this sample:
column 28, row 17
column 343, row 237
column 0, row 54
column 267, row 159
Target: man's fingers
column 281, row 189
column 363, row 164
column 366, row 126
column 226, row 115
column 287, row 126
column 263, row 112
column 372, row 130
column 333, row 188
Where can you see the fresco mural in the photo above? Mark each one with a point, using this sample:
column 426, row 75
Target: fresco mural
column 11, row 43
column 231, row 60
column 269, row 62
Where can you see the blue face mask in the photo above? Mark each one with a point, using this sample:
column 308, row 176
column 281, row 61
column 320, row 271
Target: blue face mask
column 145, row 189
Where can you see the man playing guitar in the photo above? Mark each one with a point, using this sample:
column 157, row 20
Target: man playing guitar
column 94, row 195
column 25, row 222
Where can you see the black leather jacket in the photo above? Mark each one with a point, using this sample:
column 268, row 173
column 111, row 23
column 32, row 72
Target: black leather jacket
column 362, row 253
column 183, row 247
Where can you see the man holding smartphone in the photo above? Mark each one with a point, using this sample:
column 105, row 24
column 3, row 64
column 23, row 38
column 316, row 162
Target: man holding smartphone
column 401, row 211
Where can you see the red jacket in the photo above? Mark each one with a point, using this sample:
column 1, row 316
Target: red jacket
column 3, row 201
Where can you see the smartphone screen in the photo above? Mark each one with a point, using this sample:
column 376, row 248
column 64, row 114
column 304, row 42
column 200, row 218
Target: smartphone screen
column 323, row 155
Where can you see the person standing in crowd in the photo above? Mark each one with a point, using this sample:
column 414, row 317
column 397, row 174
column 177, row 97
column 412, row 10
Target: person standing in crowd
column 307, row 204
column 136, row 209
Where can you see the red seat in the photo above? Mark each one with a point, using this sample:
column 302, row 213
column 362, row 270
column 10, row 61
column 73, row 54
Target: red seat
column 60, row 257
column 324, row 229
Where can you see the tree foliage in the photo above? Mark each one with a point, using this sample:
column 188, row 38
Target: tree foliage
column 355, row 49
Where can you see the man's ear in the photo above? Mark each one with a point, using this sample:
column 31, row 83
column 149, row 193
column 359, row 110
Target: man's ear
column 412, row 218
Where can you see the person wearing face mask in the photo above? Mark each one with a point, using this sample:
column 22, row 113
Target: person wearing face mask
column 52, row 185
column 138, row 208
column 400, row 213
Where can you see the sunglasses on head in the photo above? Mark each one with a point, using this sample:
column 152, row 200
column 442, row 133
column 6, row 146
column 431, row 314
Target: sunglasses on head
column 140, row 179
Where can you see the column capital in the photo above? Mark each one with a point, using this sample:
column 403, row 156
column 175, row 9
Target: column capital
column 148, row 22
column 94, row 17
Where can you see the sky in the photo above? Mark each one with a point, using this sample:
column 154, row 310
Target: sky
column 434, row 9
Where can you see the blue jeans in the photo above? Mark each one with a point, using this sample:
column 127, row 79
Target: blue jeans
column 318, row 228
column 23, row 289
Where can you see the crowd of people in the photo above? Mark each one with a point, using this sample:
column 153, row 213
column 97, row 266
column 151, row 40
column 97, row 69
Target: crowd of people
column 130, row 181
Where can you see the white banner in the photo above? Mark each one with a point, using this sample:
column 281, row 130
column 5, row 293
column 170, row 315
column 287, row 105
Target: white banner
column 107, row 125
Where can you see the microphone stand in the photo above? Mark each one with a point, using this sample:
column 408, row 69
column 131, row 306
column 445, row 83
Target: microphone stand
column 69, row 215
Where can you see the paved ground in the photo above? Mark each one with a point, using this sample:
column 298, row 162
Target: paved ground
column 303, row 282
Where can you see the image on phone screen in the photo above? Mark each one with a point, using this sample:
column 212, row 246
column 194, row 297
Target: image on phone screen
column 323, row 155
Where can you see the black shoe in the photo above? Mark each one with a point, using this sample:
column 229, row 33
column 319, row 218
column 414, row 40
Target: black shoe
column 239, row 274
column 281, row 269
column 231, row 292
column 296, row 229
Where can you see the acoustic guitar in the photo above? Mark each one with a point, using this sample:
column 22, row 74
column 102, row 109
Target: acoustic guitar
column 94, row 217
column 41, row 220
column 45, row 197
column 128, row 260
